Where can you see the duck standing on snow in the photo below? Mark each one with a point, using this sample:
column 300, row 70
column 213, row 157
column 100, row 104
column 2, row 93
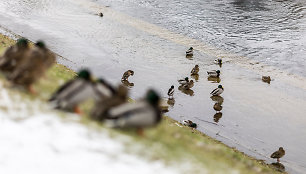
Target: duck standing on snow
column 119, row 97
column 189, row 52
column 278, row 154
column 14, row 55
column 74, row 92
column 127, row 74
column 171, row 92
column 195, row 70
column 213, row 73
column 183, row 81
column 31, row 67
column 217, row 91
column 139, row 115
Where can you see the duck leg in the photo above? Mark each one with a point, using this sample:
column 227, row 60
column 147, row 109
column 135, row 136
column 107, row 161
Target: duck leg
column 140, row 132
column 77, row 110
column 31, row 90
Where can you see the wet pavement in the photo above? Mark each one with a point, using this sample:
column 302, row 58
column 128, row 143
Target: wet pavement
column 256, row 117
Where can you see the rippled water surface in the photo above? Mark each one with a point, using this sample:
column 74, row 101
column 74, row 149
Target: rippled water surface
column 254, row 37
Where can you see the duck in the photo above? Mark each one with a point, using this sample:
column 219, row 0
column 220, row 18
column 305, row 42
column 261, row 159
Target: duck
column 217, row 107
column 266, row 79
column 190, row 123
column 188, row 85
column 100, row 14
column 139, row 115
column 195, row 70
column 278, row 154
column 74, row 92
column 103, row 89
column 14, row 55
column 50, row 57
column 126, row 75
column 213, row 73
column 183, row 81
column 189, row 52
column 119, row 97
column 217, row 91
column 170, row 92
column 218, row 61
column 31, row 68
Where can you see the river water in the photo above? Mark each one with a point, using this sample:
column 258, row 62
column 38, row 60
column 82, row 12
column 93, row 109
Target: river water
column 253, row 37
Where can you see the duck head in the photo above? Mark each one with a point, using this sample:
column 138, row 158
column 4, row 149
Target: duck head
column 84, row 74
column 40, row 44
column 191, row 48
column 22, row 43
column 152, row 97
column 218, row 71
column 196, row 66
column 131, row 72
column 186, row 78
column 172, row 87
column 281, row 149
column 220, row 86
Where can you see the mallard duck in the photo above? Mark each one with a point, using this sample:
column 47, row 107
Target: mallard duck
column 278, row 154
column 188, row 85
column 217, row 91
column 141, row 114
column 217, row 107
column 171, row 92
column 195, row 70
column 31, row 68
column 14, row 55
column 266, row 79
column 127, row 74
column 74, row 92
column 119, row 97
column 49, row 56
column 213, row 73
column 183, row 81
column 189, row 123
column 189, row 52
column 103, row 89
column 218, row 61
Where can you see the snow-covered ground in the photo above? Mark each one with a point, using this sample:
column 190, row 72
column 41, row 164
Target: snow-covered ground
column 35, row 139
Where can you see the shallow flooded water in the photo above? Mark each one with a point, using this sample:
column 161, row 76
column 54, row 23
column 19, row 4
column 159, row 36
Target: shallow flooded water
column 254, row 38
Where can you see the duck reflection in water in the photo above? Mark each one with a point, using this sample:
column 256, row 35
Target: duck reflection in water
column 217, row 107
column 195, row 77
column 127, row 83
column 217, row 117
column 214, row 79
column 217, row 99
column 186, row 91
column 171, row 102
column 279, row 166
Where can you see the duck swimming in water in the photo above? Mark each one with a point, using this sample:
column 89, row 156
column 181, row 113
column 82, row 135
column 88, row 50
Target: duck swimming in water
column 213, row 73
column 218, row 61
column 14, row 55
column 278, row 154
column 183, row 81
column 127, row 74
column 195, row 70
column 171, row 92
column 190, row 123
column 189, row 52
column 217, row 91
column 188, row 85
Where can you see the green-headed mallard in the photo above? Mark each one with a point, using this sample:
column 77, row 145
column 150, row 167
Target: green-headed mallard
column 74, row 92
column 141, row 114
column 183, row 81
column 50, row 57
column 195, row 70
column 189, row 123
column 188, row 85
column 217, row 91
column 278, row 154
column 213, row 73
column 171, row 92
column 127, row 74
column 189, row 52
column 13, row 56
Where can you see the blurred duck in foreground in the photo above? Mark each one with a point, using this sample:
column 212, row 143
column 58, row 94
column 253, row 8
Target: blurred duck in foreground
column 141, row 114
column 189, row 52
column 126, row 75
column 170, row 92
column 119, row 97
column 213, row 73
column 183, row 81
column 14, row 55
column 32, row 66
column 217, row 91
column 195, row 70
column 278, row 154
column 78, row 90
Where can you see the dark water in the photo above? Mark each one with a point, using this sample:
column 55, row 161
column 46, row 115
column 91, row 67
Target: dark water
column 255, row 38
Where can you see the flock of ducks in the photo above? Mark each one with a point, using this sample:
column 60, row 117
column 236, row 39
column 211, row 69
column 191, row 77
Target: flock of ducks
column 23, row 65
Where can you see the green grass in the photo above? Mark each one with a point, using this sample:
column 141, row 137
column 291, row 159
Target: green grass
column 167, row 142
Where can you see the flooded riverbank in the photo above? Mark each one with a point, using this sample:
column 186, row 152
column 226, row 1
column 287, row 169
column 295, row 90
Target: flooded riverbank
column 256, row 117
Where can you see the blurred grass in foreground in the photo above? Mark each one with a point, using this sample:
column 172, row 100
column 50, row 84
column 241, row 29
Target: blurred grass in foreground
column 169, row 141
